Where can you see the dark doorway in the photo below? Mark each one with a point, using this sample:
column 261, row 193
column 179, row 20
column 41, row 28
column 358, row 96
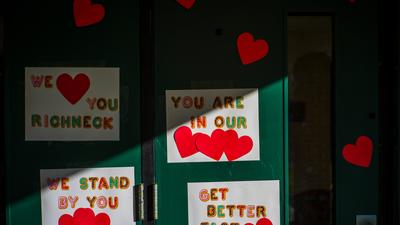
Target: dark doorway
column 310, row 119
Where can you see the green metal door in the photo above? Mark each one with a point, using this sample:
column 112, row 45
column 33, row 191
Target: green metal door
column 196, row 49
column 354, row 101
column 43, row 34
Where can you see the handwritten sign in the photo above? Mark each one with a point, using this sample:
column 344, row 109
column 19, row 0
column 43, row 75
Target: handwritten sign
column 212, row 125
column 72, row 104
column 234, row 203
column 101, row 196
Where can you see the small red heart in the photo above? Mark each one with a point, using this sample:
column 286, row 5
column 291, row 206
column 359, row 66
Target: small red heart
column 84, row 216
column 236, row 147
column 251, row 51
column 262, row 221
column 213, row 146
column 187, row 4
column 359, row 154
column 86, row 13
column 73, row 89
column 185, row 141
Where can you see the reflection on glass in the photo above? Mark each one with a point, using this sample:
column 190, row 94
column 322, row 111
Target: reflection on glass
column 310, row 152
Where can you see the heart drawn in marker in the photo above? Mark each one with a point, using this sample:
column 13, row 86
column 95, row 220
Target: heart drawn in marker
column 251, row 51
column 84, row 216
column 187, row 4
column 185, row 141
column 262, row 221
column 73, row 89
column 359, row 154
column 86, row 13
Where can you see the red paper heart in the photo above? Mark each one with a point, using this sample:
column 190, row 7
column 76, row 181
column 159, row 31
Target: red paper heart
column 185, row 141
column 73, row 89
column 224, row 142
column 84, row 216
column 236, row 147
column 66, row 219
column 187, row 4
column 102, row 219
column 262, row 221
column 359, row 154
column 86, row 13
column 213, row 146
column 251, row 51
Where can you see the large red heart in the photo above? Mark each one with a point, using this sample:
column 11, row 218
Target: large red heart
column 251, row 51
column 187, row 4
column 185, row 141
column 359, row 154
column 213, row 146
column 84, row 216
column 236, row 147
column 262, row 221
column 73, row 89
column 86, row 13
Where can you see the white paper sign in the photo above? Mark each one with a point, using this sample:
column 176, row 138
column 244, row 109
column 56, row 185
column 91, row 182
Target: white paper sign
column 212, row 125
column 71, row 104
column 234, row 203
column 103, row 196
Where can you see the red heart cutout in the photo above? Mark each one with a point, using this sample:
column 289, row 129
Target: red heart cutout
column 187, row 4
column 66, row 219
column 251, row 51
column 213, row 146
column 262, row 221
column 86, row 13
column 359, row 154
column 236, row 147
column 84, row 216
column 73, row 89
column 102, row 219
column 185, row 141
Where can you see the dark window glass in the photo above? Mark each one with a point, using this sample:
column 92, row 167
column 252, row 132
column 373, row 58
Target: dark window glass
column 310, row 119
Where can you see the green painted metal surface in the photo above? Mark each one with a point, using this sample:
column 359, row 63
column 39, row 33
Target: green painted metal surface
column 356, row 97
column 194, row 49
